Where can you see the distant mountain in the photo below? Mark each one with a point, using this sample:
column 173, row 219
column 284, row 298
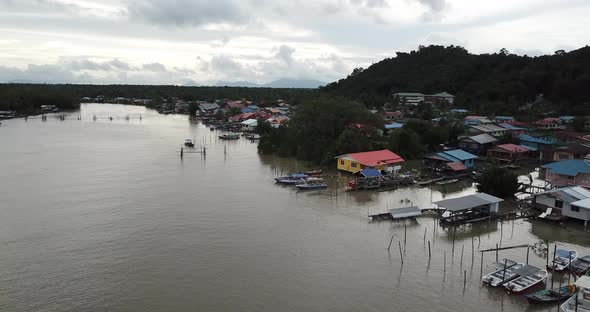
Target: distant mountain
column 280, row 83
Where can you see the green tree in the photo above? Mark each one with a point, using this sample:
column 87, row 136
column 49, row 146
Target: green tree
column 499, row 182
column 508, row 138
column 578, row 123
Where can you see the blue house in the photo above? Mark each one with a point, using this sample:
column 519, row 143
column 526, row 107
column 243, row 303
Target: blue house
column 455, row 160
column 536, row 143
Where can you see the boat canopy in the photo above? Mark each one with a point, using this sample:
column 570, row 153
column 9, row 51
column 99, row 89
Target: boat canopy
column 499, row 265
column 468, row 202
column 406, row 212
column 583, row 282
column 370, row 173
column 297, row 175
column 527, row 270
column 565, row 253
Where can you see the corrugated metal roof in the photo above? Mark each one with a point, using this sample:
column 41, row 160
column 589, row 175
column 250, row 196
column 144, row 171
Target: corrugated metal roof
column 510, row 127
column 571, row 167
column 468, row 202
column 405, row 212
column 370, row 173
column 568, row 194
column 483, row 138
column 456, row 166
column 582, row 203
column 528, row 138
column 375, row 158
column 460, row 154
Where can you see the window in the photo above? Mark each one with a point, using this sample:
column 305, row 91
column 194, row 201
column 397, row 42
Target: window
column 342, row 162
column 558, row 203
column 353, row 165
column 570, row 177
column 575, row 209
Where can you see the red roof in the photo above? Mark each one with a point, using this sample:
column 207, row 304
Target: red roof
column 517, row 123
column 547, row 121
column 376, row 158
column 456, row 166
column 473, row 117
column 392, row 114
column 513, row 148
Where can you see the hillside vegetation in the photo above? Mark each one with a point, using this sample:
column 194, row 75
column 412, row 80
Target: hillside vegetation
column 488, row 83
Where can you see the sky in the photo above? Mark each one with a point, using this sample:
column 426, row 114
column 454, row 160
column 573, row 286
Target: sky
column 200, row 42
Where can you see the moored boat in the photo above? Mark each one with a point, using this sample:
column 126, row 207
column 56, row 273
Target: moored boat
column 580, row 301
column 230, row 136
column 529, row 276
column 563, row 259
column 581, row 265
column 189, row 143
column 505, row 272
column 291, row 178
column 313, row 172
column 444, row 182
column 549, row 295
column 312, row 184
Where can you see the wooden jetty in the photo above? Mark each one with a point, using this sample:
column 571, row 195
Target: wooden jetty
column 398, row 214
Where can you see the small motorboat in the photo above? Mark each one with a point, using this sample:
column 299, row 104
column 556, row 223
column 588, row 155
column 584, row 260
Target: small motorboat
column 581, row 265
column 444, row 182
column 230, row 136
column 291, row 178
column 189, row 143
column 505, row 272
column 529, row 276
column 550, row 295
column 579, row 302
column 313, row 172
column 312, row 184
column 563, row 259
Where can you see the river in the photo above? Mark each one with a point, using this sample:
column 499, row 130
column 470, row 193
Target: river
column 101, row 215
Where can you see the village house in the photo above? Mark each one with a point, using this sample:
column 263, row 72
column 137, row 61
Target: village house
column 490, row 129
column 452, row 160
column 477, row 144
column 277, row 121
column 249, row 125
column 234, row 104
column 503, row 119
column 208, row 108
column 516, row 131
column 572, row 172
column 384, row 160
column 568, row 202
column 536, row 143
column 549, row 124
column 565, row 152
column 443, row 97
column 393, row 116
column 409, row 98
column 476, row 120
column 510, row 152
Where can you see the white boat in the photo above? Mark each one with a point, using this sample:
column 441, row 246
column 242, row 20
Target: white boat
column 444, row 182
column 529, row 276
column 502, row 274
column 312, row 184
column 579, row 302
column 563, row 259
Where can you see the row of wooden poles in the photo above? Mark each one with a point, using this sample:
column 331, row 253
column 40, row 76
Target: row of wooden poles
column 496, row 250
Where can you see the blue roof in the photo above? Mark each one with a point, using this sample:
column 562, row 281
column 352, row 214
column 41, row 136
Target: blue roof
column 460, row 154
column 530, row 148
column 528, row 138
column 394, row 125
column 447, row 157
column 569, row 167
column 563, row 253
column 254, row 107
column 567, row 117
column 509, row 126
column 246, row 110
column 370, row 173
column 459, row 110
column 504, row 118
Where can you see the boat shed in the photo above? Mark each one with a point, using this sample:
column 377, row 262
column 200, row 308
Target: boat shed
column 406, row 212
column 469, row 208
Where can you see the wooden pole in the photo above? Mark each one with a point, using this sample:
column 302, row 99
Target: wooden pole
column 454, row 232
column 553, row 273
column 504, row 271
column 405, row 235
column 527, row 255
column 464, row 279
column 445, row 264
column 429, row 254
column 401, row 255
column 496, row 252
column 425, row 229
column 472, row 250
column 391, row 240
column 569, row 271
column 481, row 267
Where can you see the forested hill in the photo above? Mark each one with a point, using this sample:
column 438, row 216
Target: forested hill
column 486, row 83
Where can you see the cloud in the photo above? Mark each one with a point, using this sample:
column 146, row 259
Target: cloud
column 187, row 12
column 154, row 67
column 285, row 54
column 434, row 5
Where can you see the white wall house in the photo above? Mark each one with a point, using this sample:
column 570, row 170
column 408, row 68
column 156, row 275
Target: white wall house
column 570, row 202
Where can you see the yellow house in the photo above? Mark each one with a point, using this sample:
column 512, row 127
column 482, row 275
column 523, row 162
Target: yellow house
column 381, row 160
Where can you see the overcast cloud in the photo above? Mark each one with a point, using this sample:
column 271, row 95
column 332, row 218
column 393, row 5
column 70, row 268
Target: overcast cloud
column 203, row 41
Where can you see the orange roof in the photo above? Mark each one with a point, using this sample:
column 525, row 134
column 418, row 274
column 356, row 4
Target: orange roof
column 375, row 158
column 456, row 166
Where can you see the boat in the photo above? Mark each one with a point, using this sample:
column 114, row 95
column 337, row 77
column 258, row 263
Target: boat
column 505, row 272
column 579, row 302
column 189, row 143
column 444, row 182
column 550, row 295
column 581, row 265
column 291, row 178
column 529, row 276
column 563, row 259
column 255, row 137
column 313, row 172
column 312, row 184
column 211, row 128
column 230, row 136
